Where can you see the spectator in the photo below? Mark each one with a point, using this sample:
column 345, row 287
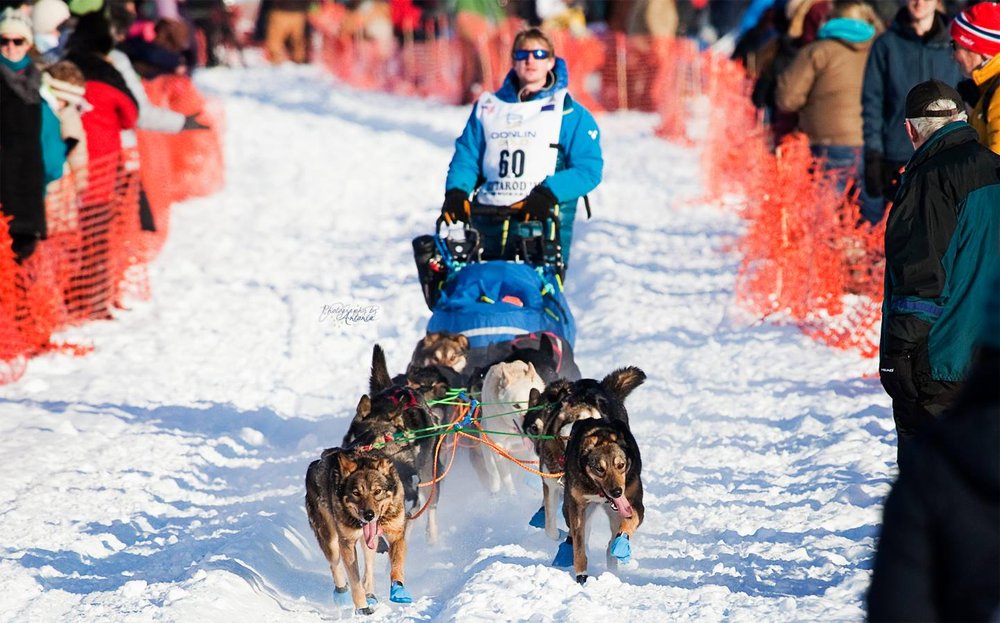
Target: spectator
column 68, row 86
column 544, row 176
column 823, row 85
column 22, row 169
column 114, row 108
column 942, row 233
column 48, row 19
column 938, row 556
column 976, row 34
column 286, row 24
column 914, row 49
column 796, row 24
column 162, row 55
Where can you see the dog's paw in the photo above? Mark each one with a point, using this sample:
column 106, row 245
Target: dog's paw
column 582, row 579
column 342, row 596
column 564, row 555
column 538, row 519
column 398, row 594
column 366, row 611
column 372, row 600
column 621, row 549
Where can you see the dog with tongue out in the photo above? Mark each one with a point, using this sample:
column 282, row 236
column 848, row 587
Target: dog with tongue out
column 602, row 467
column 351, row 496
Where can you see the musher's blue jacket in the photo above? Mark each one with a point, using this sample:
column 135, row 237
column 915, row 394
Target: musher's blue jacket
column 578, row 166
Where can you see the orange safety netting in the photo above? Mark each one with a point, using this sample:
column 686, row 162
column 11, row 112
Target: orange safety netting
column 97, row 249
column 805, row 257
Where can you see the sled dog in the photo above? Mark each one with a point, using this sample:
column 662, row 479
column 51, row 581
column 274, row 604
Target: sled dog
column 389, row 418
column 602, row 467
column 507, row 387
column 351, row 496
column 446, row 350
column 552, row 414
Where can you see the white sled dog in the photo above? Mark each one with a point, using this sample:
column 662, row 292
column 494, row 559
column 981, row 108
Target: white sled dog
column 506, row 389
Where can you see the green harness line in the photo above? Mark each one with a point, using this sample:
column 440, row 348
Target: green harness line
column 455, row 397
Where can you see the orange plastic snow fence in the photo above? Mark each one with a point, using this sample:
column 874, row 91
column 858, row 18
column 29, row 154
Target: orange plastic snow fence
column 97, row 249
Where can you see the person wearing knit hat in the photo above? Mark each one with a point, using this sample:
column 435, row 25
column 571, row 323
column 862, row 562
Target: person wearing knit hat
column 976, row 38
column 16, row 26
column 22, row 168
column 48, row 16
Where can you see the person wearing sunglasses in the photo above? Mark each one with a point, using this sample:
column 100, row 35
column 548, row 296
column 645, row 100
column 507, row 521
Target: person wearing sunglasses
column 22, row 167
column 529, row 146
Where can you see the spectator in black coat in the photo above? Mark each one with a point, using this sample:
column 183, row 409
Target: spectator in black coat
column 938, row 556
column 22, row 169
column 915, row 48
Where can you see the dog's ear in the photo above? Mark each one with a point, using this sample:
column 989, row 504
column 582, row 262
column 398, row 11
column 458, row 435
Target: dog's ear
column 364, row 407
column 463, row 341
column 622, row 381
column 380, row 378
column 530, row 371
column 534, row 397
column 347, row 464
column 383, row 466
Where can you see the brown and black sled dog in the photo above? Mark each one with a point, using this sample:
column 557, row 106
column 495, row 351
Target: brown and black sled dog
column 356, row 496
column 602, row 467
column 397, row 412
column 553, row 412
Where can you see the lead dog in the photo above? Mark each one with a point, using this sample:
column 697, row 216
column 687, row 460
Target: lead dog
column 551, row 416
column 396, row 418
column 351, row 496
column 603, row 466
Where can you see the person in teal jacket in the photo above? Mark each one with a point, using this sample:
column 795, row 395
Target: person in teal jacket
column 529, row 146
column 942, row 240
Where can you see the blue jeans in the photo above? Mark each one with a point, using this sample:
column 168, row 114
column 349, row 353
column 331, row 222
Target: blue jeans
column 847, row 165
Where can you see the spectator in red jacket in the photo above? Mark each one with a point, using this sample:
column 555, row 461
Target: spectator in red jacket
column 113, row 107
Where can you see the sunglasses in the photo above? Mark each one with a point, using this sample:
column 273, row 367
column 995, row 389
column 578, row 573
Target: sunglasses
column 522, row 55
column 18, row 41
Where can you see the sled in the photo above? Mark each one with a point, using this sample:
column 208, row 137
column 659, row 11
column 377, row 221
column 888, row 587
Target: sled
column 502, row 291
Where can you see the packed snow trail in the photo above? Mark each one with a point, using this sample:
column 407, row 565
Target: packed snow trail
column 161, row 476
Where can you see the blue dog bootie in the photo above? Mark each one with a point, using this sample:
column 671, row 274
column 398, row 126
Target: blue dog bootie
column 621, row 549
column 564, row 555
column 538, row 519
column 398, row 594
column 372, row 600
column 342, row 596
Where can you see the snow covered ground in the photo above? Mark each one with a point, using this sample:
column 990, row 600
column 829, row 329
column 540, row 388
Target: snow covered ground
column 160, row 477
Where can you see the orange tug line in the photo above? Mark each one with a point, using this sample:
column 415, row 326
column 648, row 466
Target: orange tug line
column 483, row 439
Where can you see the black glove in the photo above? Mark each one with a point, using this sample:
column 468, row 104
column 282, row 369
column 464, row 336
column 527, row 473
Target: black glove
column 191, row 123
column 456, row 206
column 539, row 204
column 874, row 173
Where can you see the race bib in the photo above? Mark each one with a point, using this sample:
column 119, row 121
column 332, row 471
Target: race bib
column 521, row 145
